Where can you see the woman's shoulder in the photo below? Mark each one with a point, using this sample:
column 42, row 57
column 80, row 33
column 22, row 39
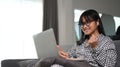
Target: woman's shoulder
column 107, row 42
column 105, row 38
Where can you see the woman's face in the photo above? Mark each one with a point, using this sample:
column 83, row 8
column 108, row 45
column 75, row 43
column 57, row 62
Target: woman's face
column 89, row 27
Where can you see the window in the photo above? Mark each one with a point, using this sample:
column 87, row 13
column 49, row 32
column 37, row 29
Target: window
column 77, row 14
column 19, row 21
column 117, row 22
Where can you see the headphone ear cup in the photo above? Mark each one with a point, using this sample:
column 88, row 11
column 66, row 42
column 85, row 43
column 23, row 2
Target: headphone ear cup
column 97, row 23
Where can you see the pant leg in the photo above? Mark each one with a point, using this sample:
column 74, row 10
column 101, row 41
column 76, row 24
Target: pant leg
column 48, row 62
column 71, row 63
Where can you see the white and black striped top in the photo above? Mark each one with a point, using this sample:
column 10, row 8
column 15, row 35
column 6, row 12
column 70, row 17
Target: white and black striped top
column 104, row 55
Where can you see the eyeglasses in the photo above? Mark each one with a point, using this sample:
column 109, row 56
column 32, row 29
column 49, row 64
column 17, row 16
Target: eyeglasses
column 85, row 23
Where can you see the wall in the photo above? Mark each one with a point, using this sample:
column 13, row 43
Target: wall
column 66, row 23
column 110, row 7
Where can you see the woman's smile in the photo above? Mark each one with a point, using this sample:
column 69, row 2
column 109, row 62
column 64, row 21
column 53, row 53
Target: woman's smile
column 86, row 30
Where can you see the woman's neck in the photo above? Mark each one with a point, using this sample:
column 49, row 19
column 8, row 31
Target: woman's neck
column 96, row 33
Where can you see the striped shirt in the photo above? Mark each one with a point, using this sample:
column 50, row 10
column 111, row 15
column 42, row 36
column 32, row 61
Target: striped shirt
column 104, row 55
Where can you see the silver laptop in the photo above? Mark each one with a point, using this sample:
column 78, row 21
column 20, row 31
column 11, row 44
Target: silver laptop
column 45, row 44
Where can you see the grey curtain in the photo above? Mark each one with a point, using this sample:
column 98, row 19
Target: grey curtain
column 50, row 16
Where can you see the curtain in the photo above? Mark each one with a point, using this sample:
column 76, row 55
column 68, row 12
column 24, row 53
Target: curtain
column 50, row 16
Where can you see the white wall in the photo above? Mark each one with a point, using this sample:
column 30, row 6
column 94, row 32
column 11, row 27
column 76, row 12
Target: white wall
column 110, row 7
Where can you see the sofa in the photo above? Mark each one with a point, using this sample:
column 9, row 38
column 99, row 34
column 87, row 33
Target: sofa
column 16, row 62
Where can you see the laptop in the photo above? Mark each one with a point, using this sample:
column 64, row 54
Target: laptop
column 45, row 44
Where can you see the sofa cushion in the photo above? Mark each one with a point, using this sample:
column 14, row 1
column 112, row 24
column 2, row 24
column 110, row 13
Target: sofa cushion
column 28, row 63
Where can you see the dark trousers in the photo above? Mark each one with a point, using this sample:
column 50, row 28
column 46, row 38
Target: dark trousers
column 47, row 62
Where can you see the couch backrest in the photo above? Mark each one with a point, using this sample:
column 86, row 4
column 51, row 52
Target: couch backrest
column 117, row 44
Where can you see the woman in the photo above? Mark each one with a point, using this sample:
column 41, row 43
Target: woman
column 94, row 47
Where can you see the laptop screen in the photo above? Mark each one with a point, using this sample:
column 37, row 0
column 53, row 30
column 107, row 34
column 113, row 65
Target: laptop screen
column 45, row 44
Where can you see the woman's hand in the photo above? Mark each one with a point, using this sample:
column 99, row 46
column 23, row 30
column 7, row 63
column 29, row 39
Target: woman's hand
column 93, row 41
column 62, row 53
